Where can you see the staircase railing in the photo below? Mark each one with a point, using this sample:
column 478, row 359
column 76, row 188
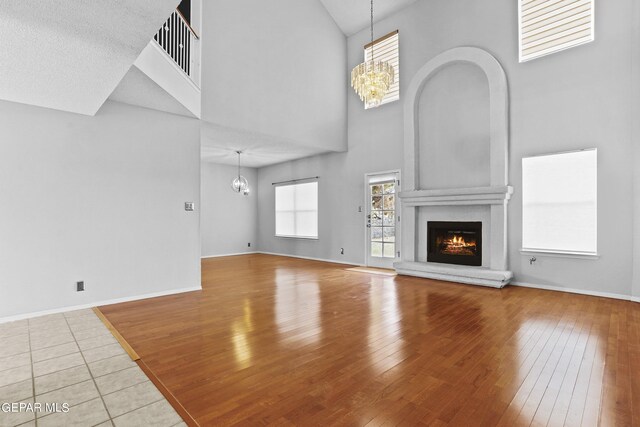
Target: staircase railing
column 180, row 42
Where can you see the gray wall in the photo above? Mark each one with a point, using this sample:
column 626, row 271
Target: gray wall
column 574, row 99
column 454, row 129
column 99, row 199
column 275, row 68
column 228, row 220
column 635, row 113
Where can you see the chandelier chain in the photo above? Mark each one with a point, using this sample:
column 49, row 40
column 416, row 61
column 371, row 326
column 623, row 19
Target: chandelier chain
column 372, row 49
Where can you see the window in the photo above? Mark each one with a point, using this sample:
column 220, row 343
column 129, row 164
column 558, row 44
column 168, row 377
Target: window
column 386, row 49
column 559, row 202
column 297, row 210
column 549, row 26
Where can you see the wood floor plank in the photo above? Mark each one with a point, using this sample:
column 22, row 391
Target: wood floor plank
column 289, row 342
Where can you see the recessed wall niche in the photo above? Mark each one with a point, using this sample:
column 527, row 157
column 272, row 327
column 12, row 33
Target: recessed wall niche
column 454, row 139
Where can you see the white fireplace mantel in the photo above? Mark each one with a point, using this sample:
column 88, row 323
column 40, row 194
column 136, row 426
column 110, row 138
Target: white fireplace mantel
column 496, row 196
column 457, row 196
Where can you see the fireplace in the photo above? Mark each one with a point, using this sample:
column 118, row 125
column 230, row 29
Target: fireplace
column 454, row 242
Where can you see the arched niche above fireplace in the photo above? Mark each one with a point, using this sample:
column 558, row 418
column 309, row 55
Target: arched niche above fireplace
column 453, row 129
column 498, row 113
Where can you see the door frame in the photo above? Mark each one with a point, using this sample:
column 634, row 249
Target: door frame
column 367, row 209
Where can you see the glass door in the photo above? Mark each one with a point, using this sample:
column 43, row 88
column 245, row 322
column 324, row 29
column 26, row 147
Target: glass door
column 382, row 220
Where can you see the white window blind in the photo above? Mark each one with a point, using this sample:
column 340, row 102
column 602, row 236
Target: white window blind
column 549, row 26
column 559, row 202
column 297, row 210
column 387, row 49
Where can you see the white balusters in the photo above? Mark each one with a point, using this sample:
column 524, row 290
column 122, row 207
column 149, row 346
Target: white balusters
column 177, row 39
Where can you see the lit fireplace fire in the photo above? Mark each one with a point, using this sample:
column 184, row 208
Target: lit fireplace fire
column 457, row 245
column 452, row 242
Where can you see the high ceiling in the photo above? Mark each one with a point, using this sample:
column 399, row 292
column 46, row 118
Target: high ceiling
column 354, row 15
column 70, row 54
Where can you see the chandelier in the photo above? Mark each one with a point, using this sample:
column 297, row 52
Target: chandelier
column 372, row 79
column 240, row 183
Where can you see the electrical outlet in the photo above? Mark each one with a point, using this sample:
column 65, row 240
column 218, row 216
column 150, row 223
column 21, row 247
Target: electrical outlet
column 79, row 286
column 341, row 251
column 249, row 244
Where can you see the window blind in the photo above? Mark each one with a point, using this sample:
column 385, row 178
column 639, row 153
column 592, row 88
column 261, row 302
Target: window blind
column 560, row 202
column 386, row 49
column 297, row 210
column 549, row 26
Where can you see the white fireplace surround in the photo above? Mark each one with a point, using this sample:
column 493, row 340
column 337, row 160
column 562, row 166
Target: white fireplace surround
column 495, row 196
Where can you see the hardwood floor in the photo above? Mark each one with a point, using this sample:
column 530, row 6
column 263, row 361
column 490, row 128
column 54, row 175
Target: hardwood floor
column 283, row 341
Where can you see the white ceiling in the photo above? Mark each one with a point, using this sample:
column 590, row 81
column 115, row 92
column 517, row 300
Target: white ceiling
column 219, row 145
column 70, row 54
column 354, row 15
column 136, row 88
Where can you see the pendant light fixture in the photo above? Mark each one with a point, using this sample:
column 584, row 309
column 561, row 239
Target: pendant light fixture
column 240, row 183
column 371, row 79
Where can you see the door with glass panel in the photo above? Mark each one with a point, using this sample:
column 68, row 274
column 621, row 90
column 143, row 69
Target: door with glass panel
column 382, row 219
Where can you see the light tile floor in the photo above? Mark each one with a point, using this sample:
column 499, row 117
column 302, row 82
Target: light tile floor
column 73, row 358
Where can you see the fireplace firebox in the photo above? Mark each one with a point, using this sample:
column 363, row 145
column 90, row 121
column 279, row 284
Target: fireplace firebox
column 454, row 242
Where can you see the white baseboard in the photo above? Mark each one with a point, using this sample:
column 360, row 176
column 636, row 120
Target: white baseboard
column 520, row 284
column 98, row 303
column 309, row 258
column 577, row 291
column 235, row 254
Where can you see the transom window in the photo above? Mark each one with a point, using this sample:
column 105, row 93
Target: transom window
column 386, row 49
column 549, row 26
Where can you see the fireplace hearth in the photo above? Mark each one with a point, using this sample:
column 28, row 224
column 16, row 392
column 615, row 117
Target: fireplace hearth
column 454, row 242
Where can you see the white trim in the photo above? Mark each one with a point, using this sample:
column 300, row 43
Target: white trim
column 224, row 255
column 557, row 153
column 98, row 303
column 518, row 284
column 457, row 196
column 169, row 60
column 311, row 258
column 559, row 254
column 159, row 67
column 576, row 291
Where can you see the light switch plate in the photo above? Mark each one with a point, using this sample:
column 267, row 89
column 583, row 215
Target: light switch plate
column 189, row 206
